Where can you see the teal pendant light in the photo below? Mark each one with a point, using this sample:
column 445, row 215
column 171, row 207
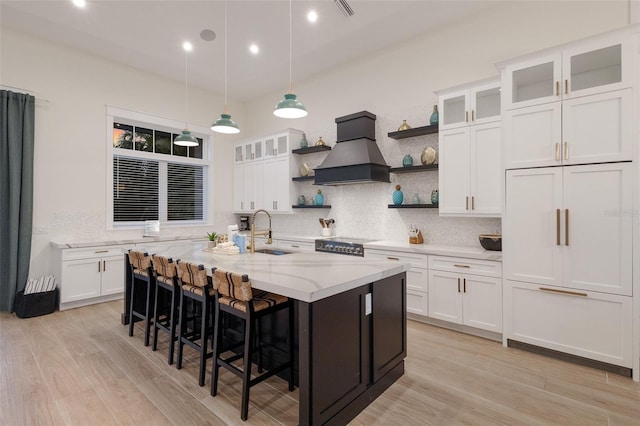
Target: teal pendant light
column 290, row 106
column 186, row 139
column 225, row 124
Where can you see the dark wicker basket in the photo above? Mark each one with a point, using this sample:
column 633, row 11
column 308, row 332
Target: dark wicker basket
column 491, row 242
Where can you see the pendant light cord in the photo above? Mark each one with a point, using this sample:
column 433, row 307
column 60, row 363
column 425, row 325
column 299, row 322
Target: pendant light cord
column 290, row 46
column 186, row 90
column 225, row 57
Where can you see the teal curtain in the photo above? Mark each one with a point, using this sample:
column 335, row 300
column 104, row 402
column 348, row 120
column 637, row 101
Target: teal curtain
column 17, row 114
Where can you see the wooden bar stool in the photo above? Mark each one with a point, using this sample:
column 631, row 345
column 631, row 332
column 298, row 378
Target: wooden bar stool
column 234, row 295
column 167, row 301
column 196, row 287
column 140, row 306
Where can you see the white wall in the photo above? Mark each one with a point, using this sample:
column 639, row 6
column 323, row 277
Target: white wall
column 70, row 192
column 398, row 84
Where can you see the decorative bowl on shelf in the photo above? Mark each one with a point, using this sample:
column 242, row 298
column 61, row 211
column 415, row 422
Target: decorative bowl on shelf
column 491, row 242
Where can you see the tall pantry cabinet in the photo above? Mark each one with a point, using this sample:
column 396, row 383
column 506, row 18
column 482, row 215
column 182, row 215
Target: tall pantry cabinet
column 571, row 228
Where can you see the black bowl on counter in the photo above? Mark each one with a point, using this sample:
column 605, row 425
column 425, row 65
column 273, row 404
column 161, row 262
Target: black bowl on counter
column 491, row 242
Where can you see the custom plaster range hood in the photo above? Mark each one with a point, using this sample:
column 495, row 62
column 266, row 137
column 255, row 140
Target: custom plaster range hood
column 355, row 158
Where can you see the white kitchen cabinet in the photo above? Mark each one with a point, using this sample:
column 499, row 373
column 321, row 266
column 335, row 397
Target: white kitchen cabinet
column 570, row 227
column 262, row 179
column 296, row 245
column 417, row 277
column 588, row 324
column 89, row 275
column 596, row 65
column 583, row 130
column 470, row 171
column 469, row 104
column 466, row 291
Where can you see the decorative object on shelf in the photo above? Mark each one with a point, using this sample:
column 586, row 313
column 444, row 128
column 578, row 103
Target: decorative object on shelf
column 304, row 169
column 434, row 197
column 319, row 198
column 404, row 126
column 290, row 106
column 415, row 235
column 428, row 156
column 433, row 120
column 491, row 242
column 301, row 200
column 407, row 161
column 416, row 198
column 320, row 142
column 213, row 238
column 303, row 142
column 398, row 196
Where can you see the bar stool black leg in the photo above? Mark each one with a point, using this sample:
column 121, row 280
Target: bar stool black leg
column 246, row 376
column 183, row 330
column 290, row 334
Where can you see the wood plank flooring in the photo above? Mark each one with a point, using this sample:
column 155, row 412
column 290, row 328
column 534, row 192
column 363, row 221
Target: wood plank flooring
column 80, row 367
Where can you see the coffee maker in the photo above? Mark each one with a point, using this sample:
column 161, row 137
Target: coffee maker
column 244, row 223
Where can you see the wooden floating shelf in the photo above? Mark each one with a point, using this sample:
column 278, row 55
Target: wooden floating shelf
column 413, row 206
column 311, row 149
column 324, row 206
column 303, row 178
column 414, row 169
column 416, row 131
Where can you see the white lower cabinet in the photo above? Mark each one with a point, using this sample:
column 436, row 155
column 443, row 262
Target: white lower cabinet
column 466, row 291
column 417, row 277
column 89, row 275
column 296, row 245
column 583, row 323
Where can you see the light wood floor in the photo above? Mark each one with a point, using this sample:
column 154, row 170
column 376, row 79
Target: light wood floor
column 79, row 367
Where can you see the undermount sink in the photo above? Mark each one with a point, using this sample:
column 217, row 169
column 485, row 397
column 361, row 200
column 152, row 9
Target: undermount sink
column 274, row 252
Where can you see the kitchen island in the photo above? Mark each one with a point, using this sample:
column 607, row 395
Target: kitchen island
column 350, row 317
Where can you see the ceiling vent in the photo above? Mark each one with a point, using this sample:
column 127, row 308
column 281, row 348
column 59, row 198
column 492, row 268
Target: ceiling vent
column 344, row 7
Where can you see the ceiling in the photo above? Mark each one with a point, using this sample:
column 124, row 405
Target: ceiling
column 148, row 34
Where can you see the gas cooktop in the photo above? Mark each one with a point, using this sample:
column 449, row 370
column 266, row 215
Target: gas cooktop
column 342, row 245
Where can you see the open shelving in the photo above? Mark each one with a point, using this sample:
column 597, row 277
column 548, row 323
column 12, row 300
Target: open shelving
column 413, row 206
column 413, row 169
column 311, row 149
column 416, row 131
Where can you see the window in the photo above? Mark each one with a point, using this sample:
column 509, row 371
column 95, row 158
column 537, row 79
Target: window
column 151, row 178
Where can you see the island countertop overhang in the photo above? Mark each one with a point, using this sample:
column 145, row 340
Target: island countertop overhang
column 304, row 276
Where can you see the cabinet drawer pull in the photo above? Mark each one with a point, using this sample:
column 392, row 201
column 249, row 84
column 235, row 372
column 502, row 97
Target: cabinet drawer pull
column 101, row 251
column 466, row 116
column 393, row 258
column 570, row 293
column 295, row 246
column 557, row 88
column 557, row 151
column 557, row 227
column 464, row 285
column 566, row 150
column 99, row 266
column 461, row 266
column 473, row 115
column 458, row 285
column 473, row 202
column 566, row 87
column 104, row 265
column 466, row 204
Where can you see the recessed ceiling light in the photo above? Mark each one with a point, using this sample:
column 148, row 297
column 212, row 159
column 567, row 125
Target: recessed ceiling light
column 80, row 3
column 254, row 49
column 187, row 46
column 312, row 16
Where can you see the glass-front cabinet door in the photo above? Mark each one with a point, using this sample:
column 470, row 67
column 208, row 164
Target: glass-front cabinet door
column 282, row 145
column 532, row 82
column 270, row 146
column 485, row 103
column 237, row 156
column 454, row 110
column 258, row 150
column 476, row 104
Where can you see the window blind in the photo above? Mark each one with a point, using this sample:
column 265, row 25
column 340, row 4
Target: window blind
column 135, row 189
column 185, row 189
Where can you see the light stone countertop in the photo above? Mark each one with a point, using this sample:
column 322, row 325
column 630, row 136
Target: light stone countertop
column 465, row 252
column 304, row 276
column 102, row 243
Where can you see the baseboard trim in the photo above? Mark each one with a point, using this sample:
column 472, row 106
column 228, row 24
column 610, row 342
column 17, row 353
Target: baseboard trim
column 457, row 327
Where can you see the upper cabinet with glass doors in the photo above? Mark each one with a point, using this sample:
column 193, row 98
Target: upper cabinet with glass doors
column 468, row 106
column 276, row 146
column 586, row 68
column 248, row 151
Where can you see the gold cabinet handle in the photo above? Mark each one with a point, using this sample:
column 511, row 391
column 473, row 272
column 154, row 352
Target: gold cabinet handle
column 557, row 227
column 99, row 266
column 473, row 202
column 466, row 116
column 457, row 265
column 393, row 258
column 464, row 285
column 557, row 151
column 466, row 206
column 473, row 115
column 566, row 227
column 295, row 246
column 241, row 205
column 570, row 293
column 458, row 285
column 104, row 265
column 566, row 150
column 557, row 88
column 101, row 251
column 566, row 87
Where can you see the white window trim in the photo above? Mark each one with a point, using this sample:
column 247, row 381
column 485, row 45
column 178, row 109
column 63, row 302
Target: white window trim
column 164, row 124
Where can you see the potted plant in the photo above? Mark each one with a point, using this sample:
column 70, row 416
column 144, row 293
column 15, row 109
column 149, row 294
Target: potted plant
column 213, row 237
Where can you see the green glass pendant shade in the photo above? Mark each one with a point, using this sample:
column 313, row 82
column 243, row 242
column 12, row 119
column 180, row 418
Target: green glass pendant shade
column 225, row 124
column 185, row 139
column 290, row 107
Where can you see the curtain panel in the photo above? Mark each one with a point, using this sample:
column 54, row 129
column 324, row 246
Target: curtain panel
column 17, row 116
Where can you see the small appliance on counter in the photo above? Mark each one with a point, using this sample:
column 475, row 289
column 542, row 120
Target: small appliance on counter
column 244, row 223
